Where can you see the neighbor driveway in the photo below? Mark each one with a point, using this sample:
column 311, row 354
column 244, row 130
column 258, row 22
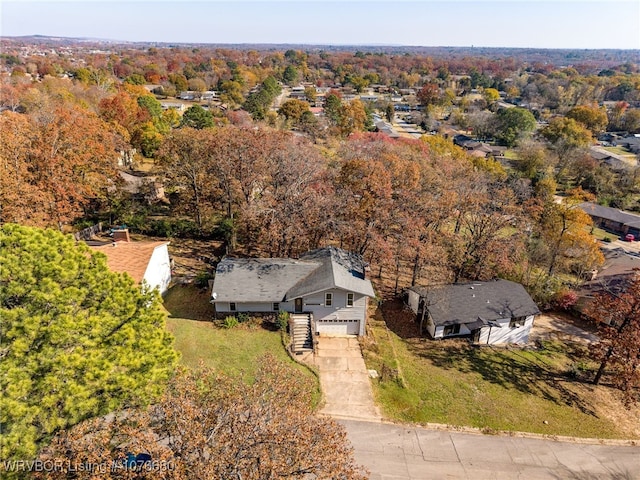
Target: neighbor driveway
column 558, row 326
column 344, row 379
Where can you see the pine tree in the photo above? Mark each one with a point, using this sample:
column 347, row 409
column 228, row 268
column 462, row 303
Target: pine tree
column 76, row 340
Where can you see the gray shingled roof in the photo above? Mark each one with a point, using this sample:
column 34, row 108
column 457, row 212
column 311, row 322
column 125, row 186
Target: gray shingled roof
column 282, row 279
column 609, row 213
column 258, row 279
column 339, row 269
column 469, row 302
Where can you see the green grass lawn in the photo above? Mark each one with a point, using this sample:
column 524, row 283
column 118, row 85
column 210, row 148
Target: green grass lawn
column 510, row 154
column 619, row 151
column 235, row 351
column 484, row 387
column 601, row 234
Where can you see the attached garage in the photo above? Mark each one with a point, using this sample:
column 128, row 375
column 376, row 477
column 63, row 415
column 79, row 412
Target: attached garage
column 338, row 327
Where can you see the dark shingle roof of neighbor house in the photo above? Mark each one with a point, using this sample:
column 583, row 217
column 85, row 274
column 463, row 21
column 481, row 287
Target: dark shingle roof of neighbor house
column 282, row 279
column 469, row 302
column 609, row 213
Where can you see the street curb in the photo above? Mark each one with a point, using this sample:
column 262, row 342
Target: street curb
column 504, row 433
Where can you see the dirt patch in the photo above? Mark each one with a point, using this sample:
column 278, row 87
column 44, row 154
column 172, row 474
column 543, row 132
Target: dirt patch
column 193, row 257
column 400, row 319
column 607, row 403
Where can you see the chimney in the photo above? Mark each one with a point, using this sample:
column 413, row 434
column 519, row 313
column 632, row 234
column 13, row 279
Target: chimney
column 121, row 235
column 367, row 272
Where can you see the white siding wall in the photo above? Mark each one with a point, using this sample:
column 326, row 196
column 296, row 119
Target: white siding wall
column 158, row 273
column 431, row 328
column 413, row 300
column 506, row 334
column 314, row 304
column 338, row 309
column 256, row 307
column 439, row 332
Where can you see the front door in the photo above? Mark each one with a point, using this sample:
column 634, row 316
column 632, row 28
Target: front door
column 298, row 305
column 475, row 338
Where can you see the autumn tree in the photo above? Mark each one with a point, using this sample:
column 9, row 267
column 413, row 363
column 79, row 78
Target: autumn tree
column 429, row 94
column 212, row 426
column 490, row 95
column 231, row 93
column 353, row 118
column 533, row 159
column 77, row 340
column 483, row 244
column 187, row 164
column 618, row 345
column 294, row 212
column 293, row 110
column 563, row 239
column 61, row 158
column 566, row 134
column 593, row 118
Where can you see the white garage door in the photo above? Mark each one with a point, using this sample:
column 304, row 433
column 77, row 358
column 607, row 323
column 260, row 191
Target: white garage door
column 338, row 327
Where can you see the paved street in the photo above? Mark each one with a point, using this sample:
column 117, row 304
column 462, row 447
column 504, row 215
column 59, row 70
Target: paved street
column 393, row 452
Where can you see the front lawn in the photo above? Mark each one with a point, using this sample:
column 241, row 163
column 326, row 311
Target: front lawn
column 491, row 388
column 235, row 351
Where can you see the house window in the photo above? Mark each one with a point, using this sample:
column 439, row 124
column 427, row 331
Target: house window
column 350, row 299
column 451, row 330
column 517, row 322
column 328, row 299
column 232, row 306
column 276, row 306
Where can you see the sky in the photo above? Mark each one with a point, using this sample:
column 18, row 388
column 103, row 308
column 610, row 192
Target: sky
column 580, row 24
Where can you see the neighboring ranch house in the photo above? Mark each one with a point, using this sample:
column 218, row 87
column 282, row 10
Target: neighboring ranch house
column 498, row 311
column 327, row 287
column 612, row 219
column 146, row 262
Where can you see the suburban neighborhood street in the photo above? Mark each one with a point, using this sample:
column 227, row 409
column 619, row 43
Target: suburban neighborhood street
column 405, row 452
column 396, row 452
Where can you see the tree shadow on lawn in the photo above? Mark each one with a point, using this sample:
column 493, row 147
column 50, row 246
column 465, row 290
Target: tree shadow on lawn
column 529, row 372
column 189, row 302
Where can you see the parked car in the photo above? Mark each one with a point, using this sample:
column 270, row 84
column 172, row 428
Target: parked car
column 629, row 237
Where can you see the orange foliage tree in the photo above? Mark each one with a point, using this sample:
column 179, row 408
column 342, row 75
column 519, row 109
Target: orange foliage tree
column 211, row 426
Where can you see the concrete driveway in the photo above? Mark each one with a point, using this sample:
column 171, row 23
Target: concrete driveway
column 557, row 326
column 344, row 379
column 396, row 452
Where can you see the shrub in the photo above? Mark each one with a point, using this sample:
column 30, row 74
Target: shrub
column 202, row 278
column 565, row 299
column 243, row 317
column 230, row 322
column 607, row 239
column 283, row 320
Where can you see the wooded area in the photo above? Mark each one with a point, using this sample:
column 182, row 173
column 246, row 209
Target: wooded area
column 286, row 180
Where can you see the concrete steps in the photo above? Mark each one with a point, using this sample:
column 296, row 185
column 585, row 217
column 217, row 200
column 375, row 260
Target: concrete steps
column 300, row 330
